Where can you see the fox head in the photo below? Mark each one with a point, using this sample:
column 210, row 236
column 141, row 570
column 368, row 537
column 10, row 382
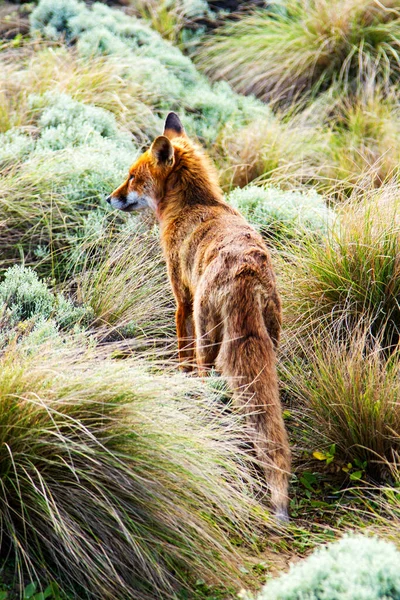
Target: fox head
column 145, row 184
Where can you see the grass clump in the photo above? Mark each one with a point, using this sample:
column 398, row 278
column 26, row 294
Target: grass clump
column 283, row 214
column 176, row 20
column 123, row 279
column 136, row 476
column 350, row 393
column 352, row 277
column 364, row 144
column 314, row 45
column 354, row 567
column 290, row 151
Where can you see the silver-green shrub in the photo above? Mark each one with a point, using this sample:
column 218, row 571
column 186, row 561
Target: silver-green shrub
column 214, row 107
column 169, row 79
column 121, row 34
column 53, row 17
column 195, row 9
column 23, row 297
column 355, row 568
column 280, row 213
column 14, row 146
column 66, row 122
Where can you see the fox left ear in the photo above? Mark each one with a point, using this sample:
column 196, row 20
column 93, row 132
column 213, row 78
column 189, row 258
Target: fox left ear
column 173, row 127
column 162, row 151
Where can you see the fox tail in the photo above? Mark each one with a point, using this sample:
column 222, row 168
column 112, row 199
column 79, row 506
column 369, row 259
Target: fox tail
column 247, row 358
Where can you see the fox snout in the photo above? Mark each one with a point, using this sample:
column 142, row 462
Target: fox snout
column 130, row 202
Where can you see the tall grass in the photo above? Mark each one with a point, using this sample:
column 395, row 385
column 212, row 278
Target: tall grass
column 45, row 202
column 114, row 482
column 123, row 279
column 364, row 145
column 301, row 52
column 350, row 391
column 352, row 277
column 290, row 151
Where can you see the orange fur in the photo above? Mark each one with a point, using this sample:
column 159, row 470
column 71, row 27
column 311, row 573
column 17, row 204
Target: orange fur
column 228, row 309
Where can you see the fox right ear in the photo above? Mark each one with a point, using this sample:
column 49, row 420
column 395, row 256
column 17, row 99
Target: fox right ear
column 173, row 127
column 162, row 151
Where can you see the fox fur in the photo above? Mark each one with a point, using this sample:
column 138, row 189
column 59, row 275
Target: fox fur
column 228, row 309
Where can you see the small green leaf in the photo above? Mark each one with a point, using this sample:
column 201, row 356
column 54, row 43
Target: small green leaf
column 3, row 595
column 308, row 479
column 49, row 591
column 319, row 504
column 329, row 460
column 332, row 450
column 356, row 476
column 30, row 590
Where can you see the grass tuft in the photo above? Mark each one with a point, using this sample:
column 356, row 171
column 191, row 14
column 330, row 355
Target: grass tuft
column 296, row 54
column 352, row 277
column 349, row 391
column 137, row 477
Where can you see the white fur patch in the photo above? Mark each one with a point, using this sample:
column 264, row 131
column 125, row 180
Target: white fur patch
column 133, row 202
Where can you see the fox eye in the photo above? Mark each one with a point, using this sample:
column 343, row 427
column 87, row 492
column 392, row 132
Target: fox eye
column 131, row 177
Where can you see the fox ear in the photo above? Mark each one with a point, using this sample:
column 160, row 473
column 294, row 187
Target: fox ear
column 173, row 127
column 162, row 151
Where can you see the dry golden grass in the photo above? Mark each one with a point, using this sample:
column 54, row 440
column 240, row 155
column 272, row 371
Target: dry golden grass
column 37, row 68
column 289, row 151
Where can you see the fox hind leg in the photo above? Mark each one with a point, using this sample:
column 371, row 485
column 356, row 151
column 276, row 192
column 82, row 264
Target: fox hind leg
column 185, row 334
column 207, row 339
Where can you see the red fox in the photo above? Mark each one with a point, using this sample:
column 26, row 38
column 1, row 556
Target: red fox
column 228, row 309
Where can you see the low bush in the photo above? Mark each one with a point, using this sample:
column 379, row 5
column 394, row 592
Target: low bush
column 169, row 79
column 24, row 297
column 308, row 48
column 283, row 214
column 137, row 477
column 77, row 22
column 354, row 567
column 64, row 122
